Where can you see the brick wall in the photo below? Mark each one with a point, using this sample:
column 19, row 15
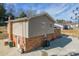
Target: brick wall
column 33, row 43
column 14, row 40
column 36, row 42
column 57, row 32
column 51, row 36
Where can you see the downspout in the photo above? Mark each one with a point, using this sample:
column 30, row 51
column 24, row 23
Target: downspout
column 22, row 38
column 22, row 31
column 25, row 38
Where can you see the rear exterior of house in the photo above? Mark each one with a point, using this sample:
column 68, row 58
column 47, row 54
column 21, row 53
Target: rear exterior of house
column 30, row 33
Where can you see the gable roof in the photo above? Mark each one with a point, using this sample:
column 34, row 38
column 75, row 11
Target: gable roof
column 27, row 19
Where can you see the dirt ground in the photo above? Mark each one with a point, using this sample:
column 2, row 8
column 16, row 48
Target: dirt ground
column 5, row 50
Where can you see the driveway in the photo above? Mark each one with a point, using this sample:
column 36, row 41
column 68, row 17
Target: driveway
column 65, row 45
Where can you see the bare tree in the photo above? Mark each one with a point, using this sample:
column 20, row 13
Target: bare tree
column 76, row 15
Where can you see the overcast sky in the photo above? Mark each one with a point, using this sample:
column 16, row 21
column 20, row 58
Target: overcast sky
column 57, row 11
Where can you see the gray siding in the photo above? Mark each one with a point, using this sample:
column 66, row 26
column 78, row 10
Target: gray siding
column 40, row 26
column 34, row 27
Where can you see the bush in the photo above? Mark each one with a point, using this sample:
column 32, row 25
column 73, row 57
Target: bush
column 0, row 31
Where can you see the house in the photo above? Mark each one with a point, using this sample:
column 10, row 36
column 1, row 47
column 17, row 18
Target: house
column 74, row 25
column 30, row 33
column 56, row 25
column 65, row 25
column 71, row 25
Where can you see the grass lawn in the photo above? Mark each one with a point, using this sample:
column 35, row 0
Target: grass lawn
column 71, row 32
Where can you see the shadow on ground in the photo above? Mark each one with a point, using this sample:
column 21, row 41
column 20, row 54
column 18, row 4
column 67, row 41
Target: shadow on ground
column 72, row 54
column 59, row 42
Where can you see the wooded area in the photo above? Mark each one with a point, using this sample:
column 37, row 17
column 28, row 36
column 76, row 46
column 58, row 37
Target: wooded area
column 5, row 13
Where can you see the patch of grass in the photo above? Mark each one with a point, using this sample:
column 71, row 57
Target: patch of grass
column 71, row 32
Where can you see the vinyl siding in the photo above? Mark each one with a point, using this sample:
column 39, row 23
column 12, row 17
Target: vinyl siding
column 40, row 26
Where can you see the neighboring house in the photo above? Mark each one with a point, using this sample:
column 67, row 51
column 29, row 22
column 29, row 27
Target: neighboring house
column 29, row 33
column 65, row 25
column 74, row 25
column 71, row 25
column 58, row 26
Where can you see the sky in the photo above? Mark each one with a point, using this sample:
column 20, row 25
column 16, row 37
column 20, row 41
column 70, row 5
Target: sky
column 55, row 10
